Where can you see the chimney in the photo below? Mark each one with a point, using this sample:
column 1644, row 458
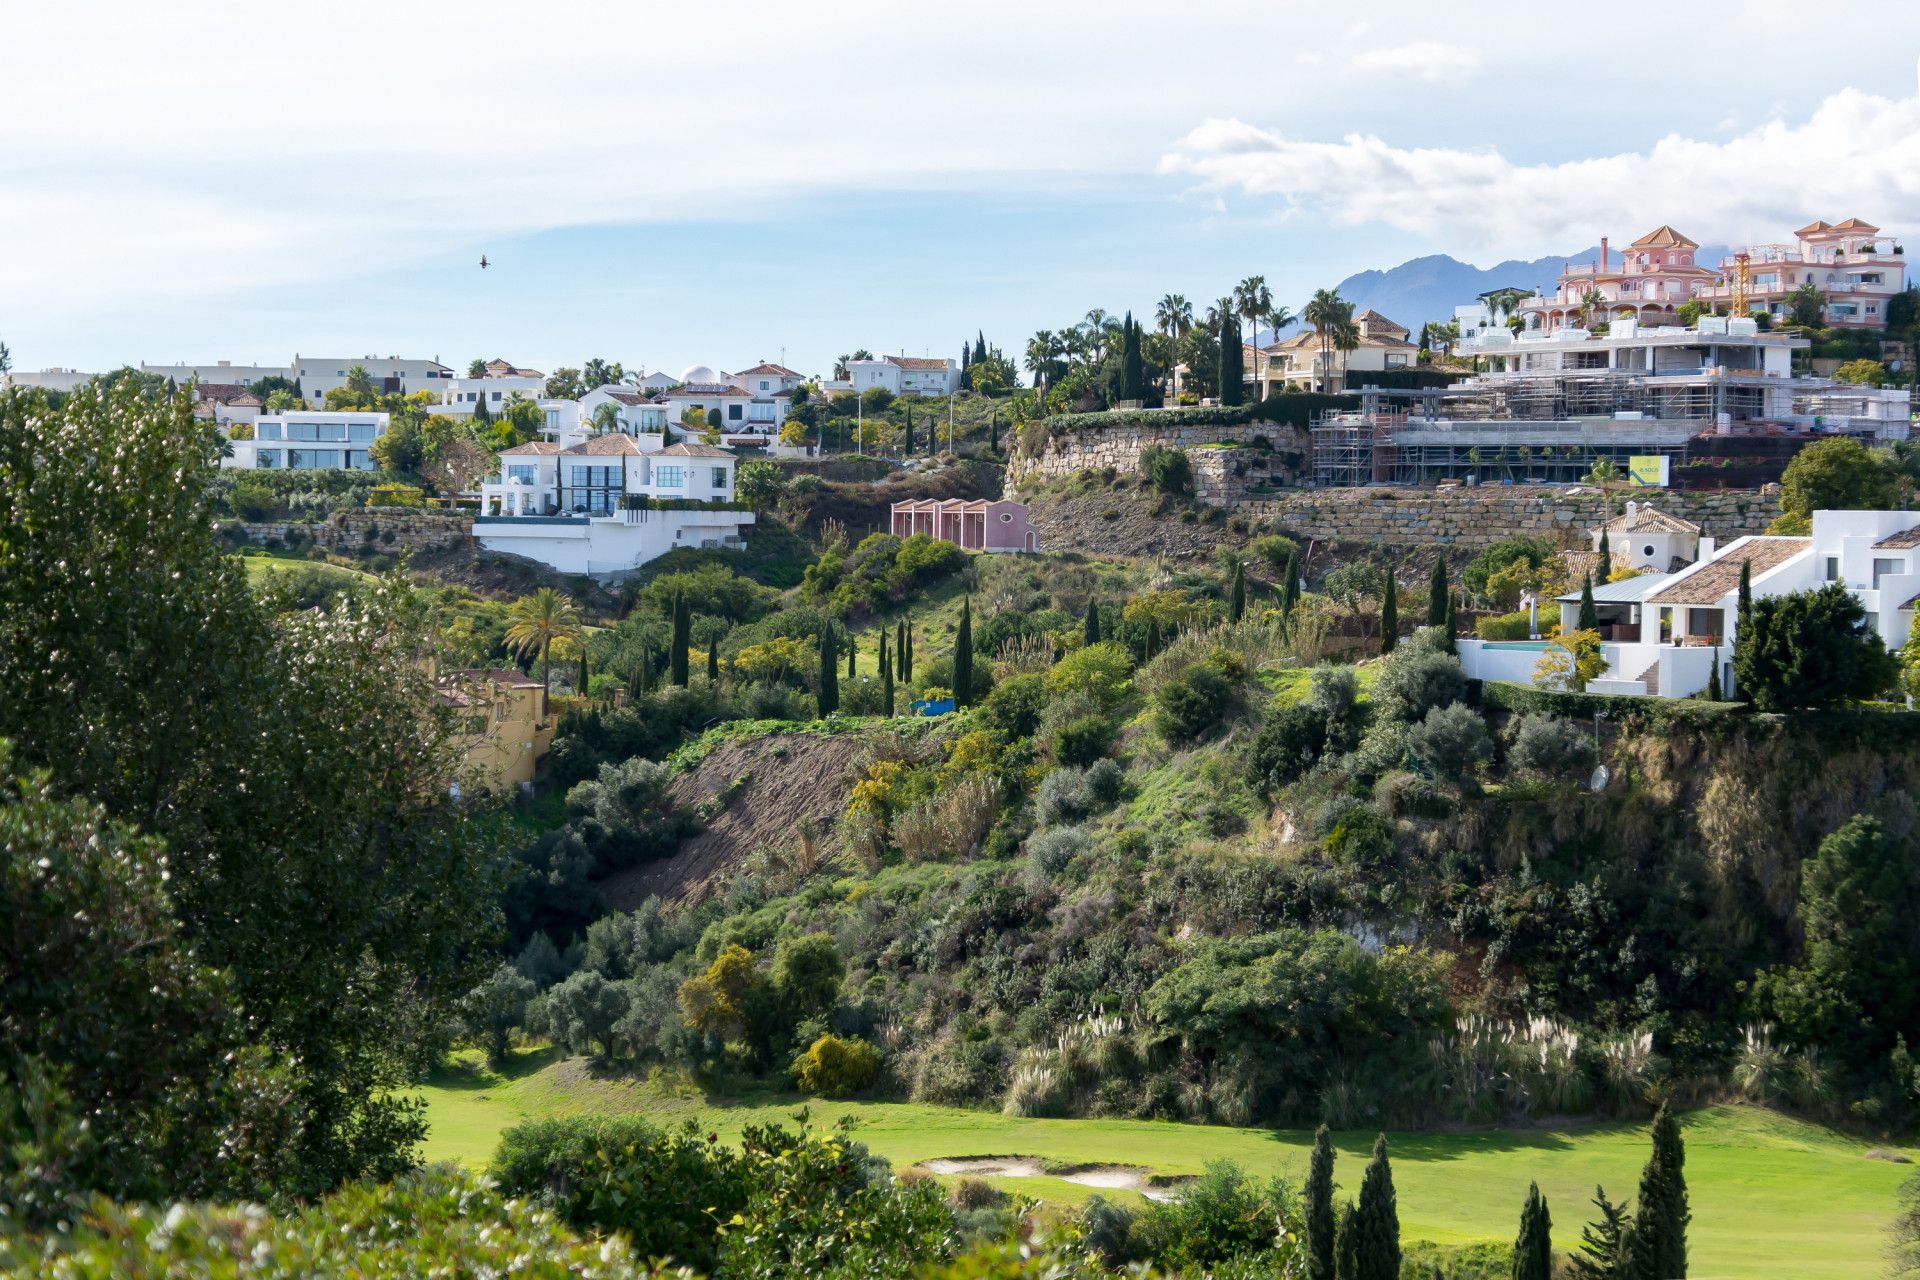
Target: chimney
column 1603, row 253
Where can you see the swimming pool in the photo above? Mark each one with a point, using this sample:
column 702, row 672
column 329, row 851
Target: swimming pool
column 1524, row 646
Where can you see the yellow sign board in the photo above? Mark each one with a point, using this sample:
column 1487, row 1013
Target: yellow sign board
column 1645, row 472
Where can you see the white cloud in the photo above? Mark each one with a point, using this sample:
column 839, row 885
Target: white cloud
column 1427, row 60
column 1856, row 155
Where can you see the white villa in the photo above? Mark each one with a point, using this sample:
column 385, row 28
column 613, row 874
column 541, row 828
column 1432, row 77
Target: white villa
column 752, row 403
column 902, row 375
column 303, row 440
column 316, row 375
column 599, row 506
column 1662, row 633
column 1649, row 539
column 1299, row 362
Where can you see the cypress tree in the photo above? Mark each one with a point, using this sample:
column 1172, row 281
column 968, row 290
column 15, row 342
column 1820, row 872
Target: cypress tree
column 1533, row 1248
column 583, row 666
column 1589, row 614
column 1233, row 361
column 1377, row 1221
column 1320, row 1222
column 682, row 636
column 993, row 433
column 1746, row 591
column 1290, row 592
column 1346, row 1247
column 900, row 649
column 1132, row 370
column 829, row 673
column 1606, row 554
column 1437, row 595
column 1453, row 624
column 1237, row 598
column 886, row 674
column 1091, row 634
column 853, row 650
column 1714, row 692
column 1153, row 639
column 1657, row 1246
column 482, row 416
column 713, row 661
column 963, row 656
column 1390, row 616
column 909, row 648
column 906, row 441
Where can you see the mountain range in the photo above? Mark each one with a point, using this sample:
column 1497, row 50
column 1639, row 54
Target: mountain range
column 1430, row 288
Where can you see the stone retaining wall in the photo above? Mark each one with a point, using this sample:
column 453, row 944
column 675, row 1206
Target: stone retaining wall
column 413, row 529
column 1221, row 477
column 1479, row 517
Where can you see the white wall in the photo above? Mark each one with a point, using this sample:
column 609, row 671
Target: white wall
column 611, row 545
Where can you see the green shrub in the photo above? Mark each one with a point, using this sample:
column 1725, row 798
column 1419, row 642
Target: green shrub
column 1451, row 742
column 397, row 495
column 1083, row 740
column 1193, row 702
column 1548, row 746
column 836, row 1068
column 1166, row 469
column 1289, row 744
column 1505, row 626
column 666, row 1189
column 1361, row 837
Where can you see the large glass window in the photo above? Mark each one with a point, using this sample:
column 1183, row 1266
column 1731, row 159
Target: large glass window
column 360, row 432
column 301, row 431
column 733, row 413
column 268, row 431
column 269, row 459
column 312, row 459
column 1882, row 566
column 719, row 477
column 359, row 460
column 670, row 477
column 522, row 472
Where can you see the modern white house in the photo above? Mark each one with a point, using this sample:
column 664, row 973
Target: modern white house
column 1662, row 634
column 634, row 413
column 494, row 391
column 219, row 371
column 607, row 504
column 904, row 375
column 316, row 375
column 57, row 380
column 309, row 441
column 1644, row 538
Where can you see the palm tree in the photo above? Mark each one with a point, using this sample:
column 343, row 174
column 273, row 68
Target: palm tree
column 1590, row 301
column 1327, row 311
column 1251, row 302
column 1604, row 475
column 535, row 624
column 1040, row 356
column 1174, row 316
column 606, row 417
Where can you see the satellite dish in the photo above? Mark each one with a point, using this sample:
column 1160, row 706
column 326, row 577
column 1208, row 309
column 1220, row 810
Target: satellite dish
column 1601, row 777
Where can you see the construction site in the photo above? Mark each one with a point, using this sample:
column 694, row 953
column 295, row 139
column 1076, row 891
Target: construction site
column 1551, row 408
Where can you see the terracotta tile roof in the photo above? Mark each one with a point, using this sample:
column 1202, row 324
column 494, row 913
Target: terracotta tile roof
column 533, row 447
column 1905, row 540
column 1814, row 228
column 1719, row 577
column 628, row 398
column 612, row 444
column 1854, row 224
column 1647, row 520
column 498, row 368
column 222, row 392
column 1663, row 237
column 779, row 369
column 686, row 449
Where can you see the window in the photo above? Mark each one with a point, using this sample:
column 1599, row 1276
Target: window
column 553, row 419
column 1882, row 566
column 360, row 432
column 763, row 384
column 496, row 395
column 1832, row 569
column 359, row 460
column 312, row 459
column 1647, row 551
column 521, row 473
column 670, row 477
column 719, row 477
column 733, row 413
column 269, row 431
column 268, row 459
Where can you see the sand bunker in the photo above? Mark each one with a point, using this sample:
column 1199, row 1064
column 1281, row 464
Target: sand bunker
column 1107, row 1177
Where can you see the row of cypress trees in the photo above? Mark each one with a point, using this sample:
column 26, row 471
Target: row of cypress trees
column 1361, row 1241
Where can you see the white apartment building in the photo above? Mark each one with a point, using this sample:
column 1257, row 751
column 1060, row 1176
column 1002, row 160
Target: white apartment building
column 309, row 441
column 494, row 391
column 595, row 507
column 1680, row 623
column 219, row 371
column 58, row 380
column 317, row 375
column 904, row 375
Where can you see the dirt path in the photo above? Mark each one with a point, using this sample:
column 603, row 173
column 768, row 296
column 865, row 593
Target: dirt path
column 789, row 777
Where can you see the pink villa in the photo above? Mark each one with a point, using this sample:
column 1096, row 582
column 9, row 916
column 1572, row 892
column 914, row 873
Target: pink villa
column 1850, row 262
column 975, row 524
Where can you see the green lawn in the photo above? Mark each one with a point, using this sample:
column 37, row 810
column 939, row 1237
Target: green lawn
column 1772, row 1196
column 261, row 568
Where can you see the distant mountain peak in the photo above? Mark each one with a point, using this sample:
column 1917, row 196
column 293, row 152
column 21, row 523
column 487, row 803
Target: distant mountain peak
column 1430, row 287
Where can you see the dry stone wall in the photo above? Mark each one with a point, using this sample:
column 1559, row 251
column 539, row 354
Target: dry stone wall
column 412, row 529
column 1478, row 517
column 1258, row 456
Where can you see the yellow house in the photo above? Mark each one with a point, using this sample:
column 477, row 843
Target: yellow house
column 499, row 719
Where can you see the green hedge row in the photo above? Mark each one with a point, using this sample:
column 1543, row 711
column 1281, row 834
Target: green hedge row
column 1649, row 712
column 1402, row 379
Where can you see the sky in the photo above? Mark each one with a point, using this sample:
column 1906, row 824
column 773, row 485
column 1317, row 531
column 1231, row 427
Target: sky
column 724, row 183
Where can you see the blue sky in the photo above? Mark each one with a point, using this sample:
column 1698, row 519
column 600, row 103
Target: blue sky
column 666, row 186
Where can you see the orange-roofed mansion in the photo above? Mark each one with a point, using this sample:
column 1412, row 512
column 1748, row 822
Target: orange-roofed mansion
column 972, row 524
column 1858, row 269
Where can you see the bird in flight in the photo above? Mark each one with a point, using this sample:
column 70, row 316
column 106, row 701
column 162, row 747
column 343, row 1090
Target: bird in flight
column 484, row 264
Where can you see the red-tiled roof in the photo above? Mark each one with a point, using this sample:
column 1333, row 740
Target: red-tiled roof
column 687, row 449
column 612, row 444
column 1663, row 237
column 1719, row 577
column 779, row 369
column 532, row 447
column 1905, row 540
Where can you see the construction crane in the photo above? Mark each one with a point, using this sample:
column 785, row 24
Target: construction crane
column 1737, row 306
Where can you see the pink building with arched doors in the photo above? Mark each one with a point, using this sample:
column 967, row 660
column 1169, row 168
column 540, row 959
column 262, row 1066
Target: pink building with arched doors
column 974, row 524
